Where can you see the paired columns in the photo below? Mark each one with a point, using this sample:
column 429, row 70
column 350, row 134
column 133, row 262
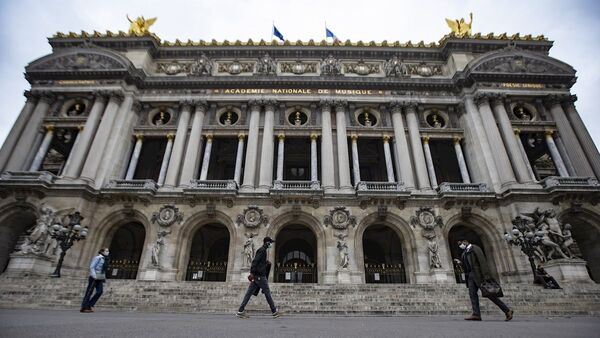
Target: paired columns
column 342, row 147
column 402, row 153
column 586, row 141
column 417, row 148
column 41, row 153
column 560, row 165
column 266, row 158
column 327, row 163
column 12, row 139
column 252, row 150
column 172, row 176
column 194, row 146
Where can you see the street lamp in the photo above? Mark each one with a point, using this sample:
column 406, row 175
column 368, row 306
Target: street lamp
column 66, row 236
column 524, row 237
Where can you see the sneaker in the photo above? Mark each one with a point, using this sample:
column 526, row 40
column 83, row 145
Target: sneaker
column 242, row 314
column 277, row 314
column 509, row 315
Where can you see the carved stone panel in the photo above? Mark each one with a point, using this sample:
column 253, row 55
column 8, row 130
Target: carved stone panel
column 167, row 216
column 252, row 217
column 339, row 218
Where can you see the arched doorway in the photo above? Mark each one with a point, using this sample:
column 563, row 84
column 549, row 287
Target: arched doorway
column 13, row 232
column 126, row 249
column 587, row 237
column 460, row 232
column 295, row 255
column 209, row 254
column 384, row 261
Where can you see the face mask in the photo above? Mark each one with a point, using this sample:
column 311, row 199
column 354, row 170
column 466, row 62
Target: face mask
column 463, row 246
column 105, row 253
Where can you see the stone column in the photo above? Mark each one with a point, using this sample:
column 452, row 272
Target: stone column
column 586, row 141
column 510, row 142
column 569, row 138
column 252, row 150
column 564, row 154
column 192, row 153
column 342, row 147
column 462, row 165
column 11, row 141
column 490, row 128
column 280, row 149
column 266, row 159
column 41, row 153
column 21, row 157
column 238, row 159
column 327, row 163
column 560, row 165
column 165, row 161
column 206, row 159
column 402, row 152
column 417, row 149
column 524, row 154
column 94, row 156
column 75, row 145
column 79, row 152
column 314, row 174
column 355, row 160
column 389, row 165
column 179, row 144
column 134, row 157
column 429, row 161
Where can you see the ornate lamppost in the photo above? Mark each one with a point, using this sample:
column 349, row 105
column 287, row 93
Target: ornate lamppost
column 525, row 237
column 66, row 236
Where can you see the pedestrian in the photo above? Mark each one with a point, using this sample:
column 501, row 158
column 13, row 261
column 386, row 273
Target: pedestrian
column 477, row 270
column 96, row 279
column 258, row 279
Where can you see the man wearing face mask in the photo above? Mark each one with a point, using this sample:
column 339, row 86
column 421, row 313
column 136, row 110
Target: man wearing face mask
column 476, row 271
column 96, row 279
column 258, row 279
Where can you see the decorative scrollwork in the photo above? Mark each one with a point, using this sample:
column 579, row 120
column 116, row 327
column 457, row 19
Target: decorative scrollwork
column 167, row 215
column 339, row 218
column 252, row 217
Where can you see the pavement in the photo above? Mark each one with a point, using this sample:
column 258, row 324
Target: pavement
column 71, row 323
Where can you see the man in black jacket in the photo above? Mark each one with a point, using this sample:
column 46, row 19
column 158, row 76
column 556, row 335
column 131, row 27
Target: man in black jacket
column 476, row 271
column 258, row 279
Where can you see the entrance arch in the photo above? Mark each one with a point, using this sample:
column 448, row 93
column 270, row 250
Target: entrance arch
column 13, row 230
column 126, row 248
column 296, row 255
column 383, row 255
column 462, row 231
column 209, row 254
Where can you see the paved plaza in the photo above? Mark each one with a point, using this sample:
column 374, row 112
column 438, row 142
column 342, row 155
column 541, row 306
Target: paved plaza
column 68, row 323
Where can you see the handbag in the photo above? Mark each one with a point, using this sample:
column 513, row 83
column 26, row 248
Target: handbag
column 491, row 288
column 100, row 276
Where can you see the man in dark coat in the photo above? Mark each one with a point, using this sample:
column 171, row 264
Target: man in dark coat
column 259, row 272
column 476, row 271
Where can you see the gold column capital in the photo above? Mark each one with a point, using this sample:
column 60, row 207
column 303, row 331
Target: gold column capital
column 170, row 137
column 354, row 137
column 386, row 138
column 549, row 132
column 456, row 139
column 281, row 136
column 425, row 139
column 314, row 136
column 139, row 136
column 517, row 131
column 49, row 127
column 209, row 137
column 241, row 136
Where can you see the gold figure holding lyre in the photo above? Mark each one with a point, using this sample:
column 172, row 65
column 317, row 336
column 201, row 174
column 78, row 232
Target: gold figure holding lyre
column 460, row 27
column 140, row 25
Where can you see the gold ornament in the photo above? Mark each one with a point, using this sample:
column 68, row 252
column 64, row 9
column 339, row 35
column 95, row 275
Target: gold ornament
column 140, row 25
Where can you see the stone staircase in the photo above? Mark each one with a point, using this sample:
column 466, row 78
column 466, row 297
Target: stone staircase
column 363, row 299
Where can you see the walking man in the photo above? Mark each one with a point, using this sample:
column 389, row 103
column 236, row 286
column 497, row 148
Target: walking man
column 258, row 279
column 476, row 271
column 96, row 280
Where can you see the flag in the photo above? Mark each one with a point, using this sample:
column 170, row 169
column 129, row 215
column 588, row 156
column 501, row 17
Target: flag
column 329, row 34
column 277, row 33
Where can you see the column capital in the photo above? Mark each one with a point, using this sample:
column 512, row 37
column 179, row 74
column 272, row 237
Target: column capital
column 456, row 139
column 45, row 96
column 170, row 136
column 101, row 95
column 29, row 95
column 314, row 136
column 241, row 136
column 354, row 137
column 200, row 105
column 325, row 104
column 185, row 104
column 139, row 137
column 49, row 127
column 549, row 132
column 281, row 136
column 409, row 106
column 116, row 95
column 482, row 98
column 498, row 99
column 553, row 99
column 269, row 104
column 209, row 137
column 386, row 138
column 425, row 139
column 80, row 127
column 255, row 104
column 136, row 106
column 517, row 131
column 569, row 101
column 340, row 105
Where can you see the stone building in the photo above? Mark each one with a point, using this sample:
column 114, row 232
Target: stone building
column 364, row 161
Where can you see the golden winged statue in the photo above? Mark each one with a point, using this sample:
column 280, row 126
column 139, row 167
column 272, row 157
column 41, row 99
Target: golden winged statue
column 140, row 25
column 460, row 27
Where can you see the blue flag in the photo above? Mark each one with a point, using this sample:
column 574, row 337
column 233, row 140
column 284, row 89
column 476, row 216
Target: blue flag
column 329, row 34
column 277, row 33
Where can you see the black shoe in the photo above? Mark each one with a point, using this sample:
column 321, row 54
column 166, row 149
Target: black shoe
column 474, row 317
column 509, row 315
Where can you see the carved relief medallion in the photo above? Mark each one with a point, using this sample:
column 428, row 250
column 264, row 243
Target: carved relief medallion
column 167, row 215
column 252, row 217
column 339, row 218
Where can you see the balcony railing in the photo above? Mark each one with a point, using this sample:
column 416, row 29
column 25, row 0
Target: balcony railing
column 132, row 185
column 570, row 182
column 297, row 185
column 27, row 176
column 217, row 185
column 447, row 187
column 385, row 187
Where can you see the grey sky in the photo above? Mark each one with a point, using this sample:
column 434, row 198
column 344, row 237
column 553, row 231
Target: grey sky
column 574, row 26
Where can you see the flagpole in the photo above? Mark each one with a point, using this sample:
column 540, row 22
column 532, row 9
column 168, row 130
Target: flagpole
column 272, row 30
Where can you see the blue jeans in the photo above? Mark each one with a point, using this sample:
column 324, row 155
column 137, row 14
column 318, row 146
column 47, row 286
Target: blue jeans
column 259, row 283
column 88, row 300
column 473, row 288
